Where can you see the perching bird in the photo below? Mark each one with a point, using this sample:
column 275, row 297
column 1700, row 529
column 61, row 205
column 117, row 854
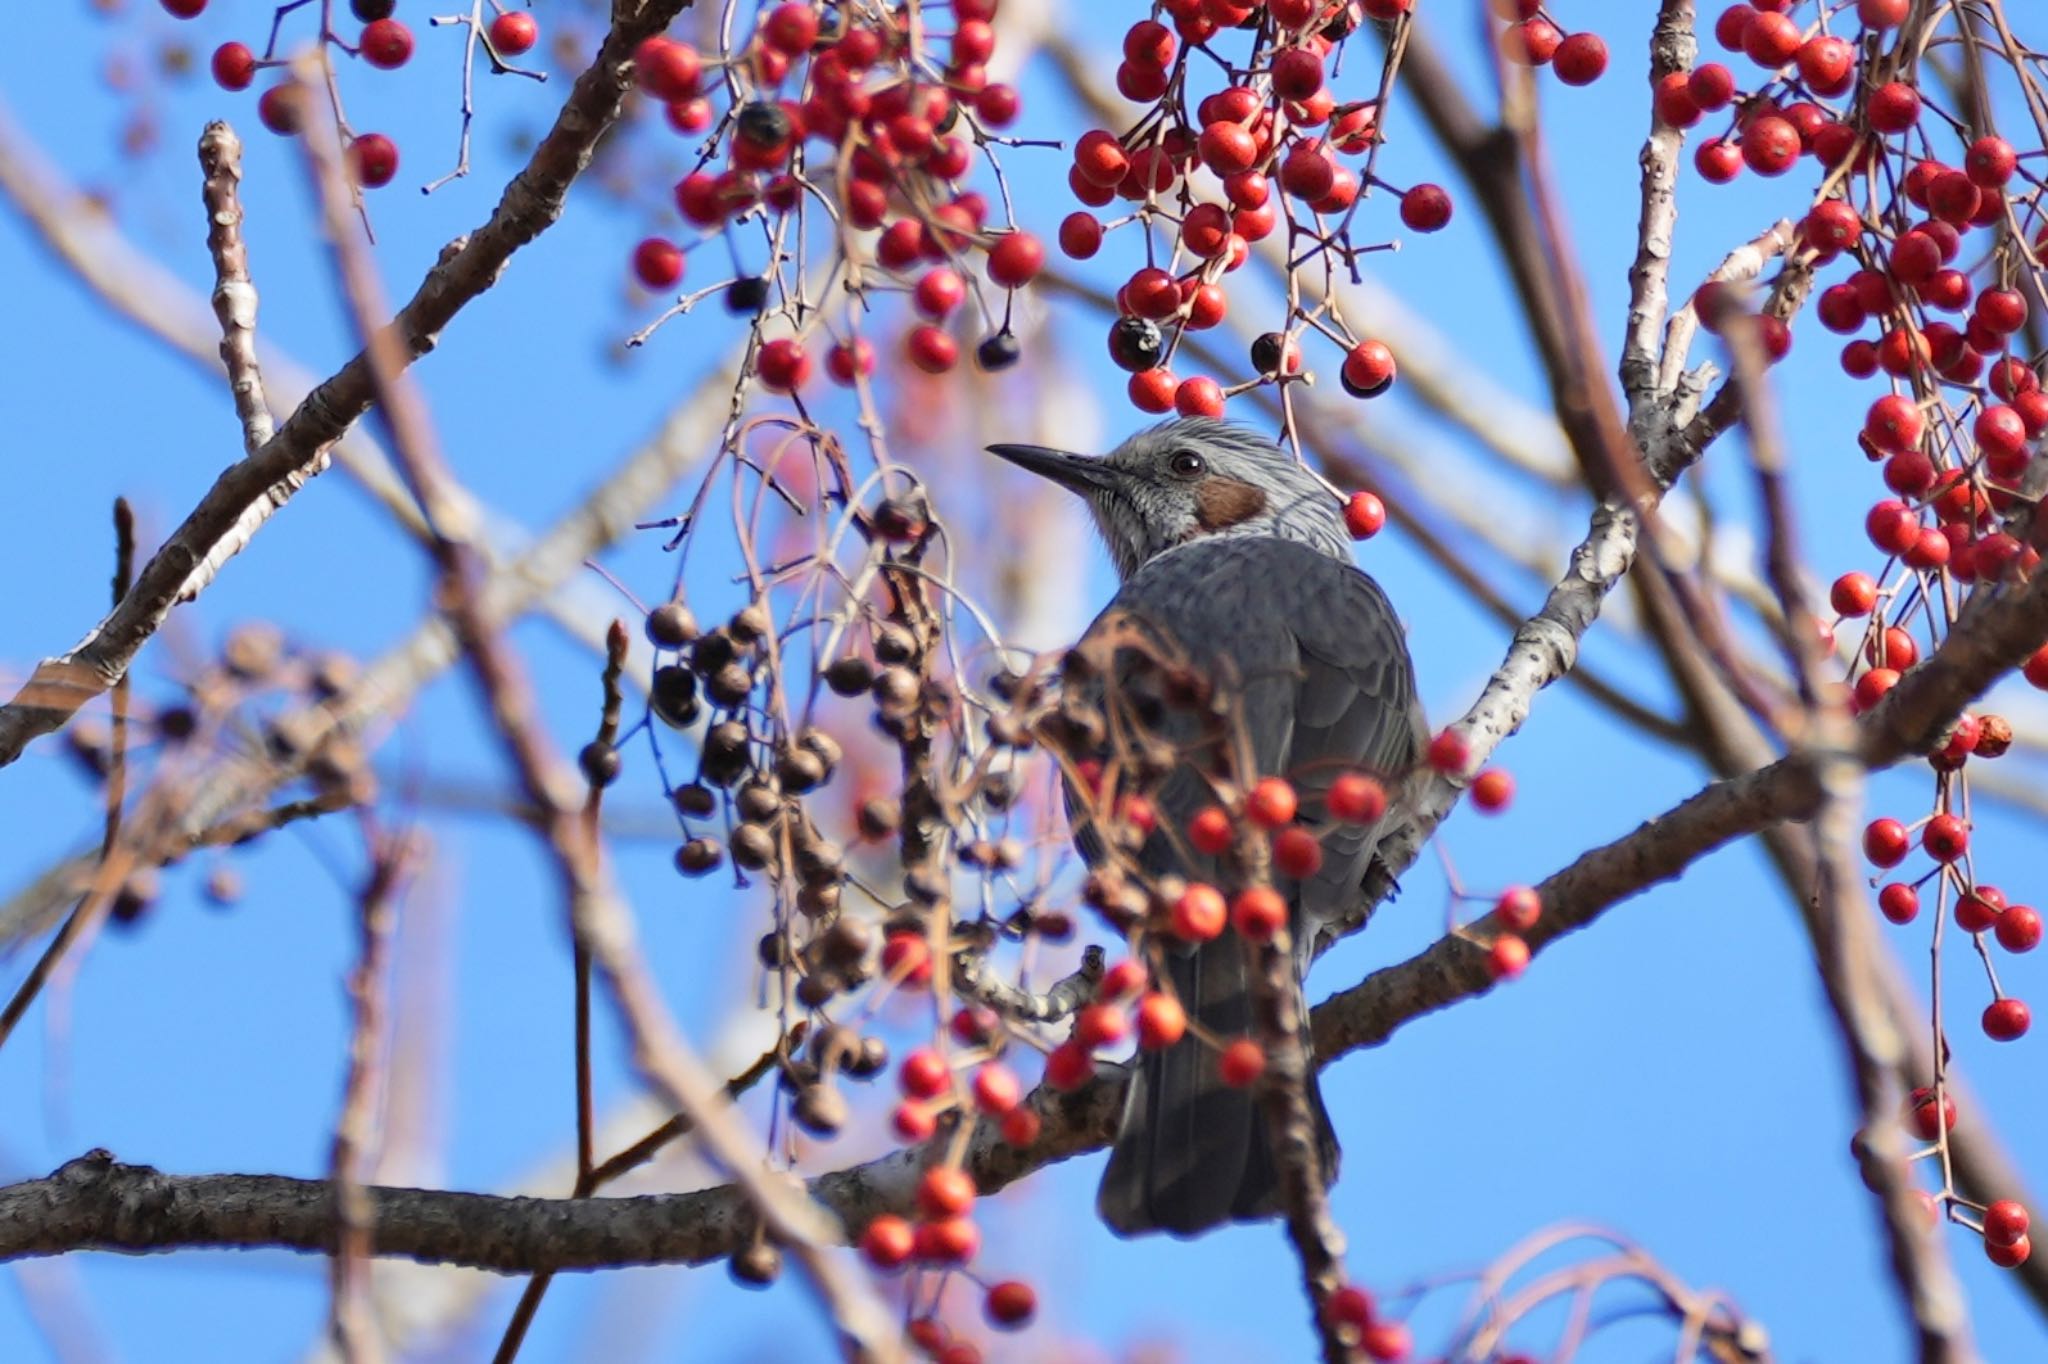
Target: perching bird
column 1235, row 553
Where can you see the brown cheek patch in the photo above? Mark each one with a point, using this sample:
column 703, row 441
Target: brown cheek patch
column 1221, row 503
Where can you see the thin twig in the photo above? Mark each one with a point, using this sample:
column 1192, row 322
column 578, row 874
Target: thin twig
column 350, row 1322
column 250, row 491
column 597, row 919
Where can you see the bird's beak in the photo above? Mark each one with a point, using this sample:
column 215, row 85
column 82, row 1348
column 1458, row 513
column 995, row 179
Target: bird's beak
column 1076, row 473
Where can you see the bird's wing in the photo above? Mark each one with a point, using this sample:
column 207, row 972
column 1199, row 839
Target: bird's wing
column 1355, row 707
column 1322, row 672
column 1310, row 654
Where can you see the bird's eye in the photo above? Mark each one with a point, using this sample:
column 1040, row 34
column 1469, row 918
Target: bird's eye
column 1187, row 464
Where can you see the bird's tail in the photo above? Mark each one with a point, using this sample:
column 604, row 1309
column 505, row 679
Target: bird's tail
column 1192, row 1151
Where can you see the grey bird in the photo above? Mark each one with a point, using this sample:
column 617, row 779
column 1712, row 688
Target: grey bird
column 1230, row 549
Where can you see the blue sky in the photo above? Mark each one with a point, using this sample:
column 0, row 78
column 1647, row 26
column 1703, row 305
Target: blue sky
column 1672, row 1075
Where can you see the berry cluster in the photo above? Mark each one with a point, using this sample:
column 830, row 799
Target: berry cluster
column 1923, row 217
column 861, row 110
column 384, row 42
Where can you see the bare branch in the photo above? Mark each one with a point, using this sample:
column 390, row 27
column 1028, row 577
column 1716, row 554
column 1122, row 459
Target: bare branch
column 187, row 561
column 234, row 295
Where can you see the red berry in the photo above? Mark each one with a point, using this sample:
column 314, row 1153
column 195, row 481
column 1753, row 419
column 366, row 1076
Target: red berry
column 1533, row 42
column 938, row 293
column 234, row 66
column 1840, row 309
column 1297, row 73
column 1426, row 208
column 1732, row 24
column 1101, row 158
column 932, row 349
column 1387, row 1341
column 2005, row 1222
column 1711, row 86
column 1015, row 260
column 1021, row 1126
column 945, row 1191
column 951, row 1241
column 667, row 69
column 2001, row 310
column 1209, row 831
column 849, row 361
column 887, row 1241
column 1717, row 160
column 1161, row 1021
column 1979, row 909
column 1508, row 957
column 1152, row 390
column 1200, row 396
column 184, row 9
column 1872, row 686
column 386, row 44
column 1899, row 902
column 907, row 957
column 1364, row 515
column 2007, row 1020
column 1228, row 148
column 1770, row 40
column 1010, row 1304
column 657, row 263
column 913, row 1121
column 1271, row 803
column 1307, row 172
column 1894, row 422
column 1100, row 1025
column 513, row 33
column 1448, row 752
column 923, row 1074
column 1368, row 369
column 1853, row 594
column 1580, row 59
column 1828, row 65
column 1069, row 1066
column 1199, row 913
column 998, row 105
column 282, row 108
column 1241, row 1063
column 784, row 365
column 1259, row 913
column 1921, row 1103
column 2019, row 929
column 1882, row 13
column 1770, row 145
column 1080, row 235
column 1124, row 979
column 1519, row 907
column 1990, row 162
column 1673, row 101
column 1492, row 790
column 373, row 161
column 791, row 28
column 1885, row 842
column 1946, row 838
column 996, row 1089
column 1297, row 852
column 2010, row 1256
column 1349, row 1306
column 1832, row 225
column 1356, row 798
column 1893, row 107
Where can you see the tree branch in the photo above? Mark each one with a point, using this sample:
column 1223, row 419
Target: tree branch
column 93, row 1203
column 218, row 527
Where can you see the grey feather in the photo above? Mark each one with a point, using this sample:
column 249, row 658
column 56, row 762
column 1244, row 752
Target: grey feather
column 1237, row 556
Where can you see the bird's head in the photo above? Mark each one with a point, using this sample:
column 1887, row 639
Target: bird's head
column 1189, row 478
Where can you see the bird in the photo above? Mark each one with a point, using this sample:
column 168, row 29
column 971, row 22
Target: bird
column 1232, row 552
